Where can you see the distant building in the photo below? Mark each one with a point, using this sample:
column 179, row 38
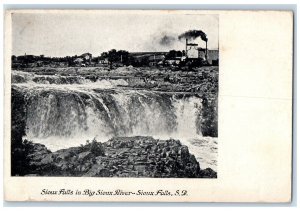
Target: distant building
column 87, row 57
column 78, row 61
column 174, row 61
column 192, row 51
column 202, row 53
column 155, row 59
column 103, row 61
column 213, row 57
column 151, row 58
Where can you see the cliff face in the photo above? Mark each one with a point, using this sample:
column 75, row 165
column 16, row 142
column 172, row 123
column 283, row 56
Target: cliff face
column 118, row 157
column 18, row 126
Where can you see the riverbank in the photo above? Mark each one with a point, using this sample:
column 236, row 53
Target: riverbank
column 119, row 157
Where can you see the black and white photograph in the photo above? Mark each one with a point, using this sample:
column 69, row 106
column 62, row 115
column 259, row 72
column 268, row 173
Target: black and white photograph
column 104, row 94
column 125, row 104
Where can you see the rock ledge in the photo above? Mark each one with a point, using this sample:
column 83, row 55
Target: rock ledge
column 119, row 157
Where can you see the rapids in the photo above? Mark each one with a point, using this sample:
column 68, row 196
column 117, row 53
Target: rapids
column 66, row 111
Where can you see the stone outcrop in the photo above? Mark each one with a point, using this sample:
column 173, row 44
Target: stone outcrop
column 118, row 157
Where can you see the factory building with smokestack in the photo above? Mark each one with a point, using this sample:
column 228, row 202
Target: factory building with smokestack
column 201, row 55
column 195, row 52
column 191, row 50
column 192, row 56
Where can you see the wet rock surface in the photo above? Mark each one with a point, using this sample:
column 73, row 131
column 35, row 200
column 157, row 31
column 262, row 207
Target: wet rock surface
column 118, row 157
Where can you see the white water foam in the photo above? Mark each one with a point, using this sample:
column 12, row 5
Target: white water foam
column 66, row 115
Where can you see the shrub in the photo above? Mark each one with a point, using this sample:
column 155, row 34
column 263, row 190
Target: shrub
column 97, row 148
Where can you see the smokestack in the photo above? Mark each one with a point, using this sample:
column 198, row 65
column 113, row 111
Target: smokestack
column 206, row 50
column 186, row 44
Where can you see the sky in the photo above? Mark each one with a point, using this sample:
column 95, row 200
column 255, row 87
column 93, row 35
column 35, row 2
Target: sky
column 68, row 34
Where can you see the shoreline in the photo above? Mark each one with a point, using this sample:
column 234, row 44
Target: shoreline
column 138, row 156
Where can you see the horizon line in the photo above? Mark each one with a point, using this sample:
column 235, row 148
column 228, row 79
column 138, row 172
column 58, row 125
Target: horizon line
column 130, row 52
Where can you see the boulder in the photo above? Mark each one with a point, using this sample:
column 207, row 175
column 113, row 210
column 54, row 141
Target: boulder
column 95, row 170
column 85, row 156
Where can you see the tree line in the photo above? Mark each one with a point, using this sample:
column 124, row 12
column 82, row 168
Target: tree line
column 112, row 56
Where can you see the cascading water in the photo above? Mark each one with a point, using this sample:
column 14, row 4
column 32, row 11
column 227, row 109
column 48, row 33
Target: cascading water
column 68, row 114
column 64, row 113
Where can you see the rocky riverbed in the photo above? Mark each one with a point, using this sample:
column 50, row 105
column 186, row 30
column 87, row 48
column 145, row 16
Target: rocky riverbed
column 119, row 157
column 60, row 108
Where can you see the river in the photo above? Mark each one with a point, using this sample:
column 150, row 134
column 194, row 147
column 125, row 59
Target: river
column 65, row 111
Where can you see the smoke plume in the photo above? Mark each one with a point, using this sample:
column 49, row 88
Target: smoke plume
column 167, row 40
column 192, row 35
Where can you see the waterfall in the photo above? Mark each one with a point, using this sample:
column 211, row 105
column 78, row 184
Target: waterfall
column 65, row 111
column 65, row 116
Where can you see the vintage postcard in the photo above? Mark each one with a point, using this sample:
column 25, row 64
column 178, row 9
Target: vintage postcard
column 144, row 105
